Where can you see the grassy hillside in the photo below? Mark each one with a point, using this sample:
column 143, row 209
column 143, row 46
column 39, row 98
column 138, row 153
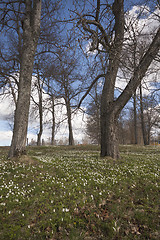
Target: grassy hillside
column 72, row 193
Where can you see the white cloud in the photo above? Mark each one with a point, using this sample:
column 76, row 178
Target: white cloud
column 144, row 25
column 5, row 137
column 7, row 109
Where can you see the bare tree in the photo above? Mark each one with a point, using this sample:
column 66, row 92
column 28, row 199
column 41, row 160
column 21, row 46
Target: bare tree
column 67, row 79
column 37, row 90
column 111, row 37
column 93, row 119
column 31, row 30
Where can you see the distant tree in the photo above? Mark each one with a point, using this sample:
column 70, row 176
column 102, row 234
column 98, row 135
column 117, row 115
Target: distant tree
column 149, row 114
column 37, row 90
column 68, row 81
column 51, row 103
column 93, row 119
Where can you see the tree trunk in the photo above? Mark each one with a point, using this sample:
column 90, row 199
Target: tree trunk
column 40, row 108
column 109, row 118
column 109, row 135
column 40, row 118
column 68, row 107
column 142, row 117
column 135, row 118
column 53, row 122
column 18, row 144
column 31, row 28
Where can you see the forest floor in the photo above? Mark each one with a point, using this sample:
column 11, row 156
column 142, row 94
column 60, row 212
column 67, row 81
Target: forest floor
column 71, row 193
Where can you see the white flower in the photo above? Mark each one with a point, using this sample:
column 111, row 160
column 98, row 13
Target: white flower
column 2, row 204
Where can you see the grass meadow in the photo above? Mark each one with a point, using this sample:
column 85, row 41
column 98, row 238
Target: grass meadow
column 70, row 193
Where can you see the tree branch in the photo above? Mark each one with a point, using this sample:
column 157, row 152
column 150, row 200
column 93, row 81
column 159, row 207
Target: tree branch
column 89, row 89
column 138, row 74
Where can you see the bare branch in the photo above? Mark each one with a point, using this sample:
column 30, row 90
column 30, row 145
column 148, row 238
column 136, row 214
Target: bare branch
column 89, row 89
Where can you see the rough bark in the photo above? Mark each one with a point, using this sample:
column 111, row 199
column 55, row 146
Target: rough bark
column 31, row 29
column 109, row 119
column 109, row 135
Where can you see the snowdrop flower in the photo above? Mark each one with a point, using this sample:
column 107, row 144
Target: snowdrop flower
column 2, row 204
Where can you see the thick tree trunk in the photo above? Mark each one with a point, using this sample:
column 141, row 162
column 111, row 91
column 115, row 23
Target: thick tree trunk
column 109, row 118
column 31, row 27
column 18, row 144
column 109, row 135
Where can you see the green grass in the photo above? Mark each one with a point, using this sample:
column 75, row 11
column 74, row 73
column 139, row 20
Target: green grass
column 72, row 193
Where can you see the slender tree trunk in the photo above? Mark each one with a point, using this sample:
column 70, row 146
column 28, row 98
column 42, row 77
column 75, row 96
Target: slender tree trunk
column 68, row 107
column 31, row 28
column 135, row 118
column 39, row 135
column 40, row 108
column 149, row 130
column 53, row 121
column 142, row 117
column 149, row 136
